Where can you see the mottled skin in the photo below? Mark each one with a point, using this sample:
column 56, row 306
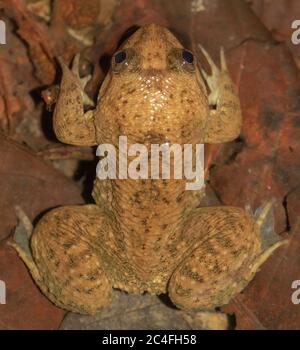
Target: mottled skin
column 146, row 235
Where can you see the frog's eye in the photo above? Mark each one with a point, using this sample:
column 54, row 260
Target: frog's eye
column 125, row 60
column 182, row 60
column 120, row 56
column 187, row 56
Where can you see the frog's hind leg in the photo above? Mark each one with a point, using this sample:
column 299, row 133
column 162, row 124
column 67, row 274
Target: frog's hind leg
column 227, row 252
column 63, row 261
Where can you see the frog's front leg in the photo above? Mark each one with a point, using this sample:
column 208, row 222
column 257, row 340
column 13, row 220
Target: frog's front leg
column 71, row 124
column 64, row 261
column 223, row 259
column 224, row 120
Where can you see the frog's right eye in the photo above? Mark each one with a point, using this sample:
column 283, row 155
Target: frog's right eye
column 125, row 60
column 181, row 60
column 120, row 56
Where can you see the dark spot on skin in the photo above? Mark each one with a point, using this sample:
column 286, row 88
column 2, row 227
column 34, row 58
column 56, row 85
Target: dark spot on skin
column 125, row 102
column 171, row 96
column 120, row 129
column 67, row 245
column 144, row 222
column 165, row 200
column 271, row 119
column 185, row 133
column 136, row 197
column 183, row 92
column 179, row 199
column 155, row 137
column 236, row 253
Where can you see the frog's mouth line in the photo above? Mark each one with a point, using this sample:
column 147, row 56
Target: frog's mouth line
column 133, row 162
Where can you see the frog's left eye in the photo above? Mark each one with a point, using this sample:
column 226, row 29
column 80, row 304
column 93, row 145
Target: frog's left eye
column 125, row 60
column 120, row 56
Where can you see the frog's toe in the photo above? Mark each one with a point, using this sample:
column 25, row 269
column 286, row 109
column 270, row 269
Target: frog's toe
column 81, row 81
column 270, row 240
column 264, row 218
column 213, row 79
column 87, row 101
column 23, row 230
column 21, row 241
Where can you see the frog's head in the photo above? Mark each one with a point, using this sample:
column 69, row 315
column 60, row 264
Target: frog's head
column 154, row 90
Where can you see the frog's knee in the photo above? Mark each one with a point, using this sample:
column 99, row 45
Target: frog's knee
column 71, row 269
column 221, row 264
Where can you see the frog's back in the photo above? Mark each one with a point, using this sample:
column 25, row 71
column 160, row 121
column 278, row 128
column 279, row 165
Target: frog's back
column 152, row 95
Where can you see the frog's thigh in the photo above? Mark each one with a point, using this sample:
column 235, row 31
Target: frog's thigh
column 69, row 268
column 221, row 264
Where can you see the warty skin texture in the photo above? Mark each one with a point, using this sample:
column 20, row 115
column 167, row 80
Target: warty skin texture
column 146, row 235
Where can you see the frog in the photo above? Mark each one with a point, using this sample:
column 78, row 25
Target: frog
column 147, row 236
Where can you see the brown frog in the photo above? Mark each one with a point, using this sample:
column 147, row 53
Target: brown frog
column 147, row 235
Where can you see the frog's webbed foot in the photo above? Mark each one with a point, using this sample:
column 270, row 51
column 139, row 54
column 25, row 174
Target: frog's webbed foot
column 225, row 259
column 63, row 260
column 21, row 242
column 71, row 124
column 264, row 219
column 224, row 120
